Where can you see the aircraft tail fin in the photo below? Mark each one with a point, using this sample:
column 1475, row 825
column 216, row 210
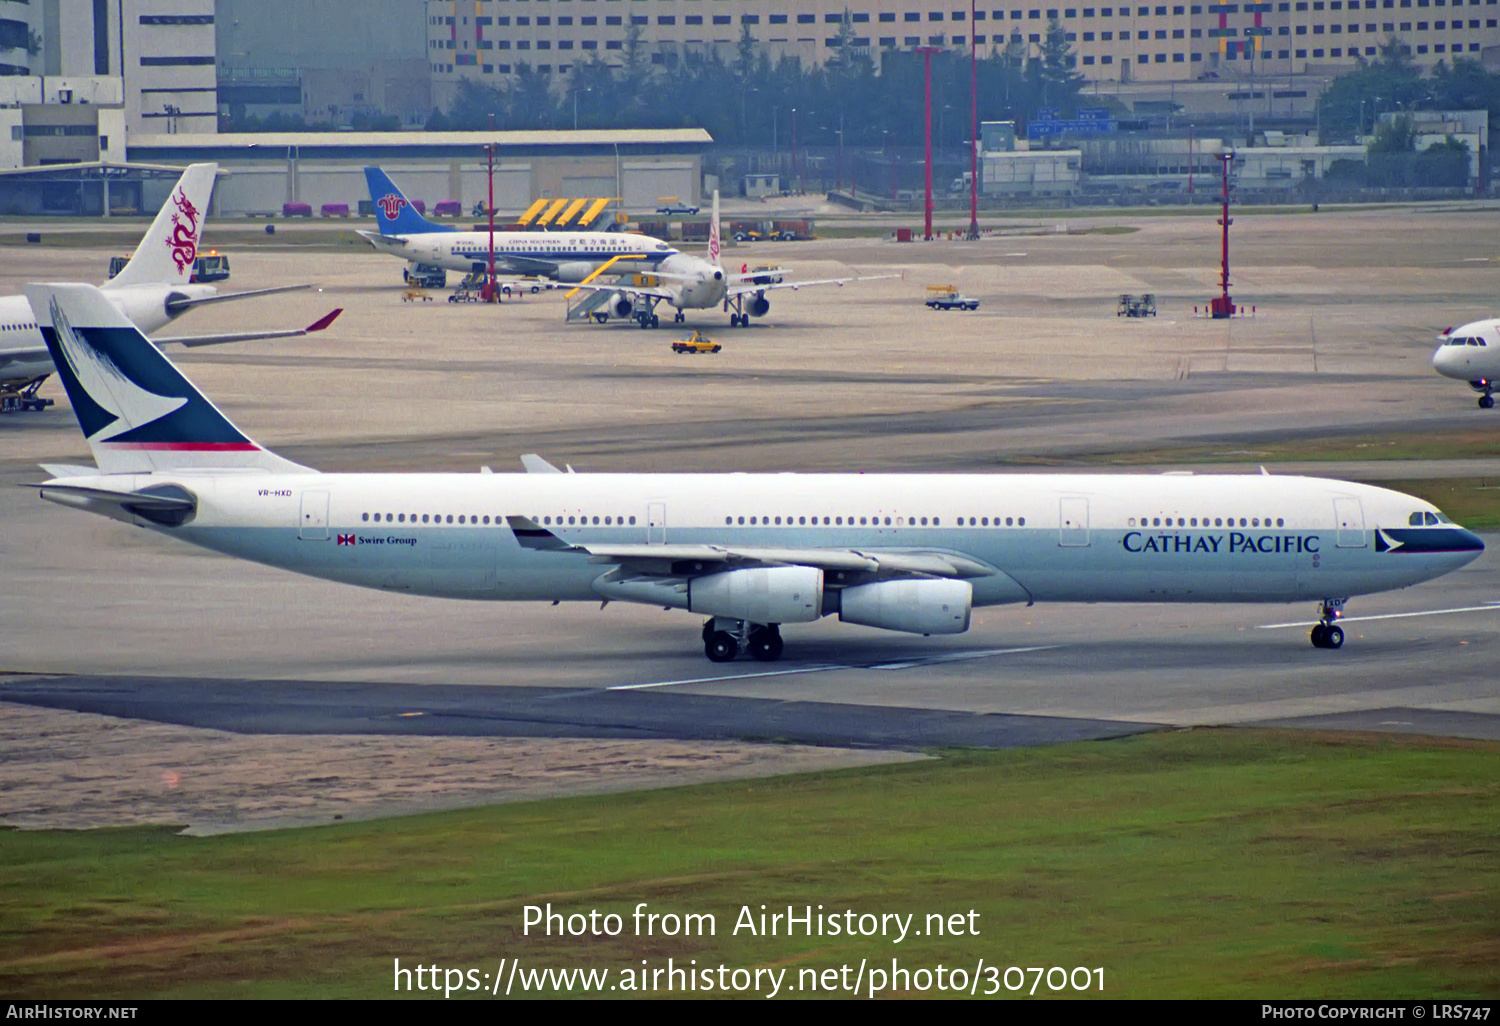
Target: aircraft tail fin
column 165, row 256
column 394, row 213
column 137, row 411
column 713, row 232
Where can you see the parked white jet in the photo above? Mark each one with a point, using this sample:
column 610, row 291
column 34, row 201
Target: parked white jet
column 698, row 283
column 749, row 551
column 1471, row 353
column 152, row 290
column 562, row 256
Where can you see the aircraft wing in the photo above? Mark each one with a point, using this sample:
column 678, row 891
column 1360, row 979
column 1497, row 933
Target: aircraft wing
column 192, row 341
column 527, row 265
column 694, row 560
column 745, row 288
column 632, row 290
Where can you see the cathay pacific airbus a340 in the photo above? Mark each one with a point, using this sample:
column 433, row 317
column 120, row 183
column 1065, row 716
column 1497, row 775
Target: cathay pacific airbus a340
column 748, row 551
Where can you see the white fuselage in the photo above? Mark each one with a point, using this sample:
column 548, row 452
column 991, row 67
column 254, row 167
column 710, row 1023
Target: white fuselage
column 23, row 354
column 695, row 283
column 1066, row 538
column 576, row 254
column 1470, row 353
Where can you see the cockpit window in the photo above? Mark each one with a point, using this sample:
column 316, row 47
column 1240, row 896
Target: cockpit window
column 1431, row 519
column 1443, row 518
column 1415, row 520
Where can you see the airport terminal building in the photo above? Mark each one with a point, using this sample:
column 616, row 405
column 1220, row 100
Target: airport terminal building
column 260, row 172
column 1173, row 42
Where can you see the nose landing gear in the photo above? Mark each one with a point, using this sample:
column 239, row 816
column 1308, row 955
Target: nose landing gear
column 724, row 639
column 1326, row 633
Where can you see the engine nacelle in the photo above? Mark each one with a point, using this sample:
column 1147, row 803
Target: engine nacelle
column 620, row 305
column 773, row 594
column 574, row 270
column 758, row 306
column 918, row 607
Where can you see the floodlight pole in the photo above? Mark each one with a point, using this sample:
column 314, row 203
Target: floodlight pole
column 973, row 130
column 490, row 293
column 1222, row 306
column 927, row 52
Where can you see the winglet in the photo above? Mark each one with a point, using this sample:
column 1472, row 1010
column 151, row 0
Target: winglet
column 325, row 320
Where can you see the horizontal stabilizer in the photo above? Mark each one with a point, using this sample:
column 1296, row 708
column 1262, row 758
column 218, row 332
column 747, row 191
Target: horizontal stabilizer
column 69, row 470
column 182, row 304
column 169, row 505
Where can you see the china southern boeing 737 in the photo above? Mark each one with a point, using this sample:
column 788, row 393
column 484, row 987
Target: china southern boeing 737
column 563, row 256
column 748, row 551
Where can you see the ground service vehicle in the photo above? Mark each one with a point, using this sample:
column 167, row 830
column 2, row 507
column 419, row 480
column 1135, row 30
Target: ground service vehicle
column 697, row 342
column 947, row 297
column 213, row 267
column 426, row 276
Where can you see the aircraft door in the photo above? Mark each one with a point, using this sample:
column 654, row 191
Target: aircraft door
column 314, row 523
column 1349, row 515
column 1073, row 522
column 656, row 523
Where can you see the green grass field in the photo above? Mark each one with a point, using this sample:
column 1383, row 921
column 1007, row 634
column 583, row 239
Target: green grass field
column 1198, row 863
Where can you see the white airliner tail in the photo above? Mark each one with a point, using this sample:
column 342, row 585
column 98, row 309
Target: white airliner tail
column 137, row 411
column 165, row 256
column 713, row 232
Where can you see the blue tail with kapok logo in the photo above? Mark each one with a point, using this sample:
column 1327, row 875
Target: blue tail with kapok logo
column 136, row 409
column 393, row 211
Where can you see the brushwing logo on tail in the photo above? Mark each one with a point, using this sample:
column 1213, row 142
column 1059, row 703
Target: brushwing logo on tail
column 390, row 204
column 183, row 239
column 128, row 404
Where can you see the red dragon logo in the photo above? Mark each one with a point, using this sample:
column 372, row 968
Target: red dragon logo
column 391, row 205
column 183, row 239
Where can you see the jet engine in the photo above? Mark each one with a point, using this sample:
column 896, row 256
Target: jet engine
column 574, row 270
column 620, row 305
column 773, row 594
column 758, row 306
column 933, row 606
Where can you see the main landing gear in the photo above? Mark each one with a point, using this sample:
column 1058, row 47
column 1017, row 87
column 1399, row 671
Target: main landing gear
column 723, row 639
column 1326, row 633
column 738, row 318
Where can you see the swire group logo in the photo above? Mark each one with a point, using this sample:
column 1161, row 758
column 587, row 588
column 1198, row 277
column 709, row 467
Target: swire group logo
column 347, row 539
column 391, row 204
column 183, row 240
